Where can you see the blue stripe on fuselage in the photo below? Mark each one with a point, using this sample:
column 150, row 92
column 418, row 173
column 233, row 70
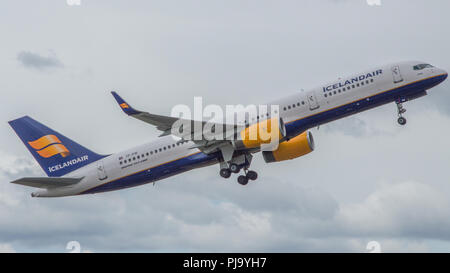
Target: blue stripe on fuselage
column 293, row 128
column 157, row 173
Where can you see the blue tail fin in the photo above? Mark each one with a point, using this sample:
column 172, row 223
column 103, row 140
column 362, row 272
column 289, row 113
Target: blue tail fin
column 56, row 154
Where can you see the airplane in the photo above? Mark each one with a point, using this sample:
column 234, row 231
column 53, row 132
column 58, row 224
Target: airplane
column 72, row 169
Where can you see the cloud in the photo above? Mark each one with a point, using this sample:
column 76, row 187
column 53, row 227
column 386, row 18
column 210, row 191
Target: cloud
column 362, row 183
column 406, row 209
column 199, row 213
column 36, row 61
column 6, row 248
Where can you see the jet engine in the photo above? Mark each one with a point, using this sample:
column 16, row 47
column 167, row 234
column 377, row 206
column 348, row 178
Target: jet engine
column 298, row 146
column 266, row 132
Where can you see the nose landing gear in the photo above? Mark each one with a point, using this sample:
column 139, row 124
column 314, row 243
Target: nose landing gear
column 401, row 120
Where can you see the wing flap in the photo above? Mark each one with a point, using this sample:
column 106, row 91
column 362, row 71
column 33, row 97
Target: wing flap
column 47, row 182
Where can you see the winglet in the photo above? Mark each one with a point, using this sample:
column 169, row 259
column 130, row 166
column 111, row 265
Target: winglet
column 124, row 105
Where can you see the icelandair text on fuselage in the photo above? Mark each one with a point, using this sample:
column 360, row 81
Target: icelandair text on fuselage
column 353, row 80
column 68, row 163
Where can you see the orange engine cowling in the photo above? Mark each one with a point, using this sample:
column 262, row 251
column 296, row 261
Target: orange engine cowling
column 262, row 133
column 298, row 146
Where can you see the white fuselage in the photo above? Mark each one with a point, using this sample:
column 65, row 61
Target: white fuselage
column 300, row 111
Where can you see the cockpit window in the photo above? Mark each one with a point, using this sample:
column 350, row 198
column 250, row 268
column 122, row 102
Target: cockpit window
column 422, row 66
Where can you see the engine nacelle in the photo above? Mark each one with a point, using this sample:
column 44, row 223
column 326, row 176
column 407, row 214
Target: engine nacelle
column 270, row 131
column 298, row 146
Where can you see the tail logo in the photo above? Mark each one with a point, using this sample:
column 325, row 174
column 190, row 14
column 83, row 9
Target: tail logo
column 124, row 105
column 48, row 146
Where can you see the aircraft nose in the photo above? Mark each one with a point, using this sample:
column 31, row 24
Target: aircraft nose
column 442, row 74
column 445, row 74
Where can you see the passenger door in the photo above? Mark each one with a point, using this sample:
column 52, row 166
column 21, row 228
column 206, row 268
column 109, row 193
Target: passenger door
column 101, row 173
column 397, row 74
column 312, row 101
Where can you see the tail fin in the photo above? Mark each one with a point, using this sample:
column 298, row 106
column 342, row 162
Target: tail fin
column 56, row 154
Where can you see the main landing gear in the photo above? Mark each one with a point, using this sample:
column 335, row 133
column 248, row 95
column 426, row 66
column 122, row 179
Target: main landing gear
column 250, row 175
column 401, row 120
column 242, row 179
column 236, row 165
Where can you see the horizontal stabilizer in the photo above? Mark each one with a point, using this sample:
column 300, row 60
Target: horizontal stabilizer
column 47, row 182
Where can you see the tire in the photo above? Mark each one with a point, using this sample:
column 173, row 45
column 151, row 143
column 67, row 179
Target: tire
column 234, row 168
column 252, row 175
column 243, row 180
column 225, row 173
column 401, row 121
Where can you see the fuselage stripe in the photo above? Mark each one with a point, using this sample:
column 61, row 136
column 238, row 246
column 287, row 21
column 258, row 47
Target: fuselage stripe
column 144, row 170
column 305, row 117
column 379, row 93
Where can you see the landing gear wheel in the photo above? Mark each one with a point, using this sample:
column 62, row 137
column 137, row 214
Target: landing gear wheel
column 243, row 180
column 400, row 110
column 401, row 120
column 252, row 175
column 225, row 173
column 234, row 168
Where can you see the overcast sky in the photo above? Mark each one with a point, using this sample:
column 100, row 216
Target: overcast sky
column 369, row 179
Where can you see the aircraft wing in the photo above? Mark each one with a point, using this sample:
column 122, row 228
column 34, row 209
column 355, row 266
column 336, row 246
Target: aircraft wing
column 47, row 182
column 162, row 123
column 165, row 123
